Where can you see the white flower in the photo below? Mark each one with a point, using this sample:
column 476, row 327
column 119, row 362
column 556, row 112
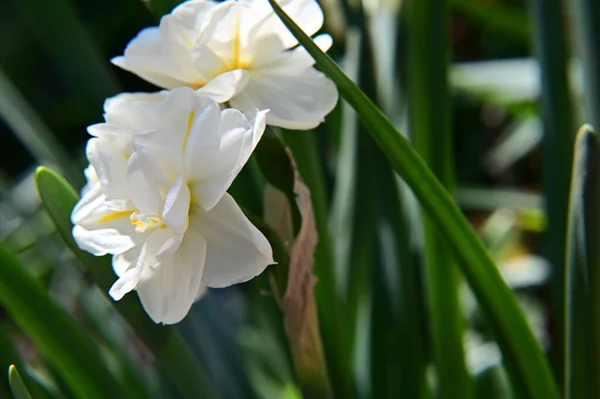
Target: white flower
column 157, row 200
column 238, row 52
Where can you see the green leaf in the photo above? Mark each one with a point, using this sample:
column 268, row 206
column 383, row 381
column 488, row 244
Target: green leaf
column 276, row 166
column 587, row 15
column 550, row 38
column 10, row 356
column 31, row 131
column 161, row 7
column 18, row 388
column 62, row 342
column 583, row 277
column 58, row 198
column 65, row 38
column 528, row 364
column 498, row 18
column 430, row 126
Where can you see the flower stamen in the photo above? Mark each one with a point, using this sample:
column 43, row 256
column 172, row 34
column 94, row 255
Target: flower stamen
column 143, row 222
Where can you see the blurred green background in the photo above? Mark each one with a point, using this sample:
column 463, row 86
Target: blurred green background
column 515, row 76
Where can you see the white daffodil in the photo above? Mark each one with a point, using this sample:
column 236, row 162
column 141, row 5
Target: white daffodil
column 238, row 52
column 157, row 201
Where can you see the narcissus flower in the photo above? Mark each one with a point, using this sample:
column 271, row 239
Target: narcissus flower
column 157, row 201
column 241, row 53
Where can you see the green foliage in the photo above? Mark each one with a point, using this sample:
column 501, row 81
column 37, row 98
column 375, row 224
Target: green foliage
column 528, row 367
column 583, row 280
column 164, row 342
column 64, row 344
column 396, row 317
column 18, row 388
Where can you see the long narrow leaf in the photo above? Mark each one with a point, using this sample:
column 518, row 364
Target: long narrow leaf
column 31, row 131
column 18, row 388
column 430, row 126
column 522, row 352
column 64, row 344
column 587, row 14
column 557, row 152
column 583, row 286
column 164, row 342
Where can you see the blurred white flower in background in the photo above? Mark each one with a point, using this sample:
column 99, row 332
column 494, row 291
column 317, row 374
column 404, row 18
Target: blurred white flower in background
column 156, row 199
column 241, row 53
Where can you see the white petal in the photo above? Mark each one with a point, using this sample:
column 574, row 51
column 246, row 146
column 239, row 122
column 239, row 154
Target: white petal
column 109, row 159
column 293, row 61
column 298, row 101
column 129, row 280
column 89, row 203
column 136, row 112
column 123, row 262
column 226, row 85
column 143, row 189
column 168, row 292
column 93, row 213
column 189, row 128
column 306, row 13
column 177, row 206
column 239, row 138
column 168, row 248
column 103, row 241
column 185, row 21
column 236, row 250
column 165, row 64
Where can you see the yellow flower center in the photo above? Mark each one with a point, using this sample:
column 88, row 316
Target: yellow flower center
column 144, row 222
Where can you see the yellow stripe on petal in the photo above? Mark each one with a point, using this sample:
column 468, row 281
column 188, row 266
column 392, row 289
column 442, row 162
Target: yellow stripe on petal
column 189, row 129
column 114, row 216
column 236, row 41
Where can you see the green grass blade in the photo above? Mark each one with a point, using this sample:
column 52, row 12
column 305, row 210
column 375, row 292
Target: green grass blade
column 164, row 342
column 84, row 69
column 557, row 153
column 276, row 167
column 62, row 342
column 31, row 131
column 18, row 388
column 342, row 217
column 9, row 356
column 587, row 13
column 430, row 125
column 495, row 17
column 583, row 284
column 529, row 367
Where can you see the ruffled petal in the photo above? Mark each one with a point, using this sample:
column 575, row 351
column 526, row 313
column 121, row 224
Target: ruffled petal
column 236, row 250
column 129, row 279
column 168, row 292
column 226, row 85
column 177, row 206
column 103, row 241
column 239, row 138
column 185, row 21
column 125, row 261
column 109, row 159
column 142, row 186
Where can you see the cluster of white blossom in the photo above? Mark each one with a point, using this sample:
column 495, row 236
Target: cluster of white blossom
column 161, row 164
